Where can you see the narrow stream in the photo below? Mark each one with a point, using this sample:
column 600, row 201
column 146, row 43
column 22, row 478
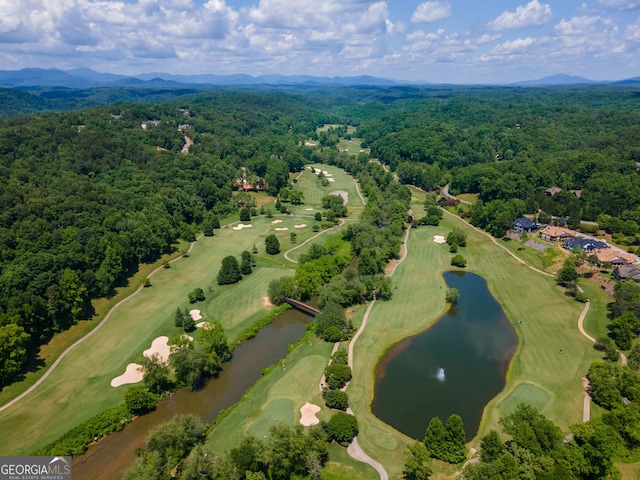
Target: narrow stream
column 111, row 455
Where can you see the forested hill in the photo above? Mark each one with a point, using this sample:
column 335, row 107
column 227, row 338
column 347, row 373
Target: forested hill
column 87, row 195
column 510, row 145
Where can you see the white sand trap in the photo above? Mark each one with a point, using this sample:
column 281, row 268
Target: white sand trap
column 331, row 179
column 308, row 412
column 309, row 209
column 281, row 229
column 204, row 324
column 159, row 347
column 187, row 337
column 132, row 374
column 195, row 314
column 326, row 174
column 266, row 302
column 343, row 194
column 240, row 226
column 439, row 239
column 302, row 225
column 277, row 221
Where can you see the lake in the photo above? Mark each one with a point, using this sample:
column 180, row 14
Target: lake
column 456, row 366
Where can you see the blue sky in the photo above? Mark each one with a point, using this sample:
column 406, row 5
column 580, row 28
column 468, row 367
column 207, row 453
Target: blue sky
column 490, row 41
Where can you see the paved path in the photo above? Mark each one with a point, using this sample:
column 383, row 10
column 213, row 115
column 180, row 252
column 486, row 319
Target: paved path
column 187, row 143
column 360, row 193
column 357, row 453
column 286, row 254
column 445, row 192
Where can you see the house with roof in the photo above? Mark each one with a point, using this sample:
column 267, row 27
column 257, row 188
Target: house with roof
column 587, row 244
column 627, row 272
column 524, row 224
column 551, row 233
column 614, row 257
column 550, row 192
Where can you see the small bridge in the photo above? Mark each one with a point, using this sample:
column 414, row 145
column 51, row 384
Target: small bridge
column 302, row 306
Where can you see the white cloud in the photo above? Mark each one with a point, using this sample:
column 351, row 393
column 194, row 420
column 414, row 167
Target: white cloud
column 621, row 4
column 431, row 12
column 510, row 47
column 530, row 15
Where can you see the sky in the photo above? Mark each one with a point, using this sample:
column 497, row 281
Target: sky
column 453, row 41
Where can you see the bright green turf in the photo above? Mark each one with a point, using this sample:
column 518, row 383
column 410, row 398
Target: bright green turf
column 525, row 393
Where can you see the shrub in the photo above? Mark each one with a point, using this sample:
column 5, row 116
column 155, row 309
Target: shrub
column 342, row 428
column 196, row 295
column 245, row 215
column 139, row 400
column 229, row 272
column 335, row 399
column 458, row 261
column 272, row 245
column 337, row 375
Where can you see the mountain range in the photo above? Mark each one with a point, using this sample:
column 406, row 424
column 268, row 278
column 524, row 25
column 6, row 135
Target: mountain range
column 86, row 78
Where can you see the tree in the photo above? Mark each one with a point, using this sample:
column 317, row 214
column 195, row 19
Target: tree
column 331, row 323
column 624, row 328
column 249, row 455
column 337, row 375
column 633, row 359
column 492, row 447
column 229, row 272
column 456, row 450
column 179, row 320
column 196, row 295
column 531, row 430
column 318, row 216
column 342, row 428
column 139, row 400
column 417, row 464
column 14, row 343
column 567, row 275
column 156, row 374
column 458, row 261
column 452, row 296
column 188, row 323
column 272, row 245
column 245, row 215
column 73, row 292
column 246, row 263
column 173, row 440
column 335, row 399
column 435, row 438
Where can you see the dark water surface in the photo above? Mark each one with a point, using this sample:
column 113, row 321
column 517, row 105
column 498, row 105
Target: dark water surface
column 456, row 366
column 106, row 459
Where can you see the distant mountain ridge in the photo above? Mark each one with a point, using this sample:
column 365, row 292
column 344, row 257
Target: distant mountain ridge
column 87, row 78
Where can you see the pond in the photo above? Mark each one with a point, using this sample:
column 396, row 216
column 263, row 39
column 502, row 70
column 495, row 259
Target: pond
column 456, row 366
column 111, row 455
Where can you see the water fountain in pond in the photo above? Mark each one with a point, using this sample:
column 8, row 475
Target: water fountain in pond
column 440, row 374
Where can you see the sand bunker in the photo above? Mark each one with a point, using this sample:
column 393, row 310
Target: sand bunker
column 309, row 209
column 277, row 221
column 327, row 174
column 331, row 179
column 302, row 225
column 159, row 347
column 439, row 239
column 132, row 374
column 204, row 325
column 240, row 226
column 281, row 229
column 187, row 337
column 195, row 314
column 308, row 412
column 343, row 194
column 266, row 302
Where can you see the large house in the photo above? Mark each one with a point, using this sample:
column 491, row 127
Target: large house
column 552, row 233
column 587, row 244
column 614, row 257
column 524, row 224
column 626, row 272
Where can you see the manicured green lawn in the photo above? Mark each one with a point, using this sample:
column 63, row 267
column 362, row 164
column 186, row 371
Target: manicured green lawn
column 597, row 319
column 313, row 190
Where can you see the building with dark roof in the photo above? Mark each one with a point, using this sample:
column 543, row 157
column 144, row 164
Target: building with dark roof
column 586, row 244
column 524, row 224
